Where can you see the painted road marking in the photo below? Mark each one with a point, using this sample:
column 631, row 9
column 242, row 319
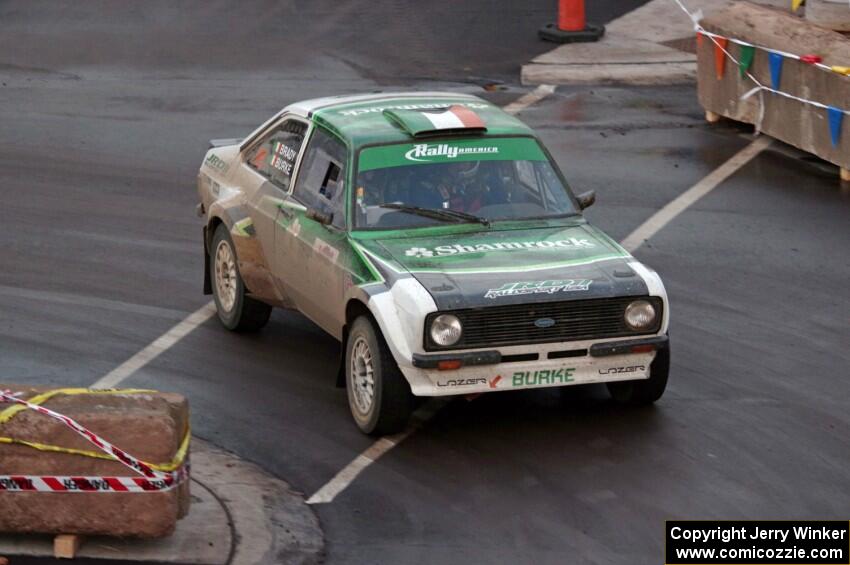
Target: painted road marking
column 345, row 477
column 91, row 302
column 634, row 240
column 158, row 346
column 530, row 98
column 681, row 203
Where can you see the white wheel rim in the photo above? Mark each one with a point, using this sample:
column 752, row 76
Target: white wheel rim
column 225, row 276
column 362, row 375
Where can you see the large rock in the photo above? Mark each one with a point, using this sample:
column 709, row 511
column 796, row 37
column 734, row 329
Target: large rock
column 149, row 426
column 802, row 125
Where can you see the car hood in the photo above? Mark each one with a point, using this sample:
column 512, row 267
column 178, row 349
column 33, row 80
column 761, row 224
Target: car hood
column 508, row 266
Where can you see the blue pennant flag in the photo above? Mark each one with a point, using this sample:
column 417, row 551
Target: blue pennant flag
column 836, row 115
column 775, row 69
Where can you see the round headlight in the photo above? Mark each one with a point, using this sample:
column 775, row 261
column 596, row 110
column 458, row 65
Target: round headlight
column 445, row 330
column 639, row 315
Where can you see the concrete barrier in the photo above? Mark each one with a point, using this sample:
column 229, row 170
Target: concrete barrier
column 798, row 124
column 149, row 426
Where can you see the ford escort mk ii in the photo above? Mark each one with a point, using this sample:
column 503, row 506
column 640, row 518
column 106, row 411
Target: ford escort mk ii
column 436, row 238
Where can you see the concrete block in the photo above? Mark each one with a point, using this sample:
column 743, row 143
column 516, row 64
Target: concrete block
column 801, row 125
column 149, row 426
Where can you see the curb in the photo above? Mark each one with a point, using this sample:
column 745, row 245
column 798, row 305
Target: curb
column 641, row 47
column 637, row 74
column 271, row 521
column 239, row 515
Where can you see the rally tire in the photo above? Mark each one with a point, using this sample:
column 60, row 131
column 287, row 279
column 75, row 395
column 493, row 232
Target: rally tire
column 370, row 365
column 236, row 311
column 645, row 391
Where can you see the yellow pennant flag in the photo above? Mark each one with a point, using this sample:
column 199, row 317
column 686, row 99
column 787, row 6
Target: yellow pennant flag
column 840, row 70
column 795, row 4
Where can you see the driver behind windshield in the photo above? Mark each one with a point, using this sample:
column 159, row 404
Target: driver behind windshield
column 426, row 193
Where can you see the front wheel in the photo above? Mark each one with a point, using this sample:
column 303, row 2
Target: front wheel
column 644, row 391
column 378, row 394
column 237, row 312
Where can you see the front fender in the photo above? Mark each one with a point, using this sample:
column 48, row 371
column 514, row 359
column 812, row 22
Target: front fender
column 656, row 288
column 400, row 312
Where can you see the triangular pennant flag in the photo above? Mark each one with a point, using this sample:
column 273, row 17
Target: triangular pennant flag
column 795, row 4
column 699, row 39
column 836, row 116
column 747, row 53
column 720, row 56
column 775, row 69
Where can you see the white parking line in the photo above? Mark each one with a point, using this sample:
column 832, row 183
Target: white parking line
column 344, row 478
column 39, row 296
column 530, row 98
column 681, row 203
column 634, row 240
column 161, row 344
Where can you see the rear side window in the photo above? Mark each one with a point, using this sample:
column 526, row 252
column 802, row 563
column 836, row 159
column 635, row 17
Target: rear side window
column 275, row 156
column 321, row 180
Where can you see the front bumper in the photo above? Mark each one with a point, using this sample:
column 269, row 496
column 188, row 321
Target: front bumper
column 490, row 371
column 494, row 357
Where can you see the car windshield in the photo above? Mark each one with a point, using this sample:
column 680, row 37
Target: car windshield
column 456, row 181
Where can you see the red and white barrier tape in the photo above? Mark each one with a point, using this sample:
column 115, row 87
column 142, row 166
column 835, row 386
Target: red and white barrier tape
column 151, row 481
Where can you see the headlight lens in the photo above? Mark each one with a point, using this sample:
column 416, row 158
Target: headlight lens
column 445, row 330
column 639, row 315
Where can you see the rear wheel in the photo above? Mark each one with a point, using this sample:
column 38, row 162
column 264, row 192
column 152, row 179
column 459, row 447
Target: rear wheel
column 378, row 394
column 237, row 312
column 644, row 391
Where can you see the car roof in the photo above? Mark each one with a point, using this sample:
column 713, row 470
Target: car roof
column 360, row 119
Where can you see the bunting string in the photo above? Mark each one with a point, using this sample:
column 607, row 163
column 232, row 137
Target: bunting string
column 813, row 60
column 775, row 58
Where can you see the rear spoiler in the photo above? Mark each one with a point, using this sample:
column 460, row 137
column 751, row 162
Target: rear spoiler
column 222, row 142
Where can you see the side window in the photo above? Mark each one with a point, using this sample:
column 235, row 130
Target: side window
column 321, row 182
column 275, row 156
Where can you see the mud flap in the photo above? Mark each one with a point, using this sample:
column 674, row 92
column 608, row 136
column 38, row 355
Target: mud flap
column 340, row 374
column 207, row 280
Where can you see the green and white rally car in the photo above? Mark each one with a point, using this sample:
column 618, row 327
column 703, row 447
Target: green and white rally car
column 435, row 237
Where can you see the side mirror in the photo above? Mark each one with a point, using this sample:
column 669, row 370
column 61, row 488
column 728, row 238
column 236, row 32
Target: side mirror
column 321, row 217
column 586, row 199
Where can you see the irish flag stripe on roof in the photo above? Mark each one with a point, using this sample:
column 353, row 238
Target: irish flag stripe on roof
column 455, row 117
column 468, row 116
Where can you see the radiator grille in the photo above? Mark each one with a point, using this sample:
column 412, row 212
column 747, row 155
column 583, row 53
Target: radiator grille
column 574, row 320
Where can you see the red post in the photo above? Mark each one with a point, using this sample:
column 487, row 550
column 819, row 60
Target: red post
column 571, row 15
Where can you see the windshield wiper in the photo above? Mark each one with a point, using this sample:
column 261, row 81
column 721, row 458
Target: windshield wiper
column 468, row 217
column 437, row 213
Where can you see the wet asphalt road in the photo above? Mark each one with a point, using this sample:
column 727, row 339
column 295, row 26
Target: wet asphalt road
column 105, row 111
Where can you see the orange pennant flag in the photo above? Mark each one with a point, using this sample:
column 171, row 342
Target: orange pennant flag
column 699, row 39
column 720, row 56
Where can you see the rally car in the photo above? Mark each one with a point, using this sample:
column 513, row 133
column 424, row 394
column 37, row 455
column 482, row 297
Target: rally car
column 436, row 238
